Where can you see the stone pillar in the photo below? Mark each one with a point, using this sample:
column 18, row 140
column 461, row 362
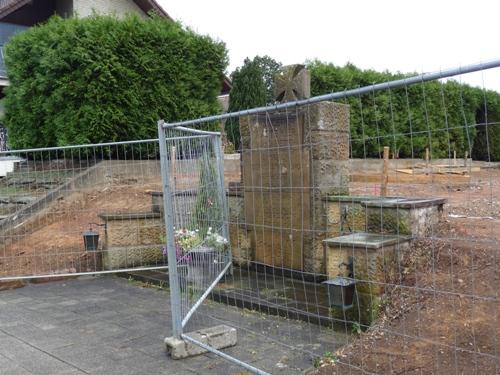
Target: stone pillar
column 292, row 159
column 327, row 124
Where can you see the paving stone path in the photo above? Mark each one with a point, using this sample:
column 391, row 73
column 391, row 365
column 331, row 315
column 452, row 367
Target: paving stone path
column 108, row 325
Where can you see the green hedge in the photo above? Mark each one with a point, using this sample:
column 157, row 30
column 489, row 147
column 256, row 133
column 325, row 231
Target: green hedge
column 444, row 117
column 101, row 79
column 487, row 142
column 253, row 86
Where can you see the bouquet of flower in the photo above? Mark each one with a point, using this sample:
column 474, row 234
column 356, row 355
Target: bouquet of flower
column 186, row 240
column 216, row 241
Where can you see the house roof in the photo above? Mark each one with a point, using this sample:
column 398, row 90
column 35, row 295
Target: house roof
column 152, row 5
column 9, row 6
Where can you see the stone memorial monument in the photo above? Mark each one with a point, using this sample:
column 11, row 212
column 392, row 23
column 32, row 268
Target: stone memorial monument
column 291, row 160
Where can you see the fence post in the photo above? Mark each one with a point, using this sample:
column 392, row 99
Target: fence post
column 173, row 160
column 219, row 157
column 168, row 214
column 385, row 172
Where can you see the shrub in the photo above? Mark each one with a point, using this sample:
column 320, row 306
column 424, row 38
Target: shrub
column 434, row 115
column 253, row 86
column 487, row 142
column 100, row 79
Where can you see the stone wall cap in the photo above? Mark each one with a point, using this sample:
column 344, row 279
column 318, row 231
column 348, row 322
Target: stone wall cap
column 235, row 156
column 352, row 198
column 130, row 215
column 192, row 193
column 404, row 202
column 186, row 192
column 366, row 240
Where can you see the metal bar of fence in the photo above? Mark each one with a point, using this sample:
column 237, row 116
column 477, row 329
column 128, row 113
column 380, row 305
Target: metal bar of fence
column 175, row 296
column 347, row 93
column 57, row 148
column 200, row 134
column 121, row 270
column 196, row 131
column 219, row 154
column 204, row 295
column 224, row 355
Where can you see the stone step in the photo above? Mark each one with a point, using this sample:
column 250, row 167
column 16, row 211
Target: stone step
column 366, row 240
column 404, row 203
column 373, row 261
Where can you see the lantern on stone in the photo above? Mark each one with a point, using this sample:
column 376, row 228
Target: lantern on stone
column 91, row 238
column 340, row 292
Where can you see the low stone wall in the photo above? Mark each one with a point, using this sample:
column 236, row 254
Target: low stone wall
column 132, row 256
column 414, row 217
column 375, row 165
column 132, row 240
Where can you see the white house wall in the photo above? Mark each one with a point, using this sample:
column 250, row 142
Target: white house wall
column 84, row 8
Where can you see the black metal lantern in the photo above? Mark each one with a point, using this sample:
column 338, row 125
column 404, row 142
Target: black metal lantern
column 91, row 238
column 340, row 292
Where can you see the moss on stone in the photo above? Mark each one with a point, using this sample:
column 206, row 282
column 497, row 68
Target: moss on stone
column 388, row 220
column 365, row 310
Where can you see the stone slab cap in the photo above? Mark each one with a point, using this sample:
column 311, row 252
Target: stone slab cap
column 366, row 240
column 186, row 192
column 405, row 202
column 129, row 216
column 351, row 198
column 218, row 337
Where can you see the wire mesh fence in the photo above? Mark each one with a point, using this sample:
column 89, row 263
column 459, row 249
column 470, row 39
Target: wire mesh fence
column 361, row 227
column 195, row 216
column 80, row 209
column 367, row 220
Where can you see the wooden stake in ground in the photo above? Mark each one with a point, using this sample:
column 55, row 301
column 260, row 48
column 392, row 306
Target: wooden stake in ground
column 385, row 172
column 426, row 160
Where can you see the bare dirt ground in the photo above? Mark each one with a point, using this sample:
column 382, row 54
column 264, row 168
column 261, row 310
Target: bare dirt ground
column 444, row 317
column 53, row 242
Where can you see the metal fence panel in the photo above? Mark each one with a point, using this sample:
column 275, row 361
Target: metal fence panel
column 373, row 239
column 80, row 210
column 195, row 217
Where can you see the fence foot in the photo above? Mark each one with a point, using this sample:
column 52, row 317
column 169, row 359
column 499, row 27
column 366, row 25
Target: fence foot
column 218, row 337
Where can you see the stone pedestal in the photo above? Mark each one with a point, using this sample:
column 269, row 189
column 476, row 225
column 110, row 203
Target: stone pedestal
column 375, row 258
column 417, row 217
column 132, row 240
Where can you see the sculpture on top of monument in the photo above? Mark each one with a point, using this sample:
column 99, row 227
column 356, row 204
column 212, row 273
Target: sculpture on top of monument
column 292, row 83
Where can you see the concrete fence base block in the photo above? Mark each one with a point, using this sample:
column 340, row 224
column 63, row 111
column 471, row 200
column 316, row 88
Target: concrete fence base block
column 218, row 337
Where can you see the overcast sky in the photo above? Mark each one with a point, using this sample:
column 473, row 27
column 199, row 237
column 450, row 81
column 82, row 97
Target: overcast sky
column 406, row 36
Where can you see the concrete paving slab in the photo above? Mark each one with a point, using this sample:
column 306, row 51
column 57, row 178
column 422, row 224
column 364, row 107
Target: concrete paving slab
column 107, row 325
